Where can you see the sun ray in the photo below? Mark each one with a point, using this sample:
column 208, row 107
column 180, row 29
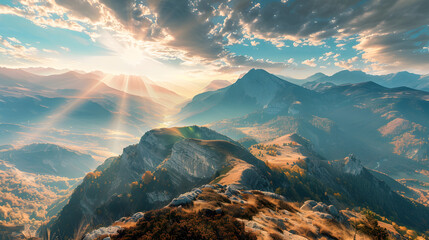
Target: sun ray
column 53, row 119
column 118, row 126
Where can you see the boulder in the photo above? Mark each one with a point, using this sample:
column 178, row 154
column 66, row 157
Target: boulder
column 320, row 207
column 324, row 215
column 186, row 198
column 111, row 230
column 333, row 211
column 308, row 205
column 135, row 217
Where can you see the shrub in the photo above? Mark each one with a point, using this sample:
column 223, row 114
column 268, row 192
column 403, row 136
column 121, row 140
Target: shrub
column 147, row 177
column 173, row 223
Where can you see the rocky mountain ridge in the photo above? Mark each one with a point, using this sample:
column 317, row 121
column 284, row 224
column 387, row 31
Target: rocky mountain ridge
column 165, row 163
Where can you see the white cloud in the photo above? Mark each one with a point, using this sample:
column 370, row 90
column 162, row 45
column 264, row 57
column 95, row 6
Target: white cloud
column 310, row 62
column 348, row 64
column 50, row 51
column 328, row 54
column 14, row 39
column 254, row 43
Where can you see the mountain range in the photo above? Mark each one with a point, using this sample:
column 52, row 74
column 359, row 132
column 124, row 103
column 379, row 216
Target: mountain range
column 386, row 127
column 392, row 80
column 276, row 157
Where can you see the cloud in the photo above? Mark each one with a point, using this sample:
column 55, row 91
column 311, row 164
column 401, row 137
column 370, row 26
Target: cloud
column 82, row 8
column 328, row 54
column 348, row 64
column 190, row 31
column 50, row 51
column 199, row 31
column 234, row 63
column 310, row 62
column 254, row 43
column 18, row 52
column 14, row 39
column 396, row 51
column 314, row 20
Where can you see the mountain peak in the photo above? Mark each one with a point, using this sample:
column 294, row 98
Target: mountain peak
column 405, row 74
column 354, row 72
column 258, row 76
column 315, row 76
column 368, row 85
column 254, row 71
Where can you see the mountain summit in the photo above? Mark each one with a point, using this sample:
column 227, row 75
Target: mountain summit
column 257, row 89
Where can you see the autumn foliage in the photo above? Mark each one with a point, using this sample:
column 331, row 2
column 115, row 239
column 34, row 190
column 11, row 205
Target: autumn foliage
column 147, row 177
column 173, row 223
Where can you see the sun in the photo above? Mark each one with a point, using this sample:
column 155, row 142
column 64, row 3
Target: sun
column 132, row 55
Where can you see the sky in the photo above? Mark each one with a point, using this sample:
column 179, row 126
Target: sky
column 175, row 40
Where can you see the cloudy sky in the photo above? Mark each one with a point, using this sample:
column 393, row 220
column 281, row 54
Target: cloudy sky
column 216, row 39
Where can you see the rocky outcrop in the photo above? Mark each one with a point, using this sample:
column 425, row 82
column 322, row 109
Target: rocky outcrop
column 352, row 165
column 104, row 231
column 323, row 211
column 185, row 198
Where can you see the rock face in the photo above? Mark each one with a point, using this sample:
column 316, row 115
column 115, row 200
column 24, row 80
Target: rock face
column 173, row 161
column 352, row 165
column 189, row 159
